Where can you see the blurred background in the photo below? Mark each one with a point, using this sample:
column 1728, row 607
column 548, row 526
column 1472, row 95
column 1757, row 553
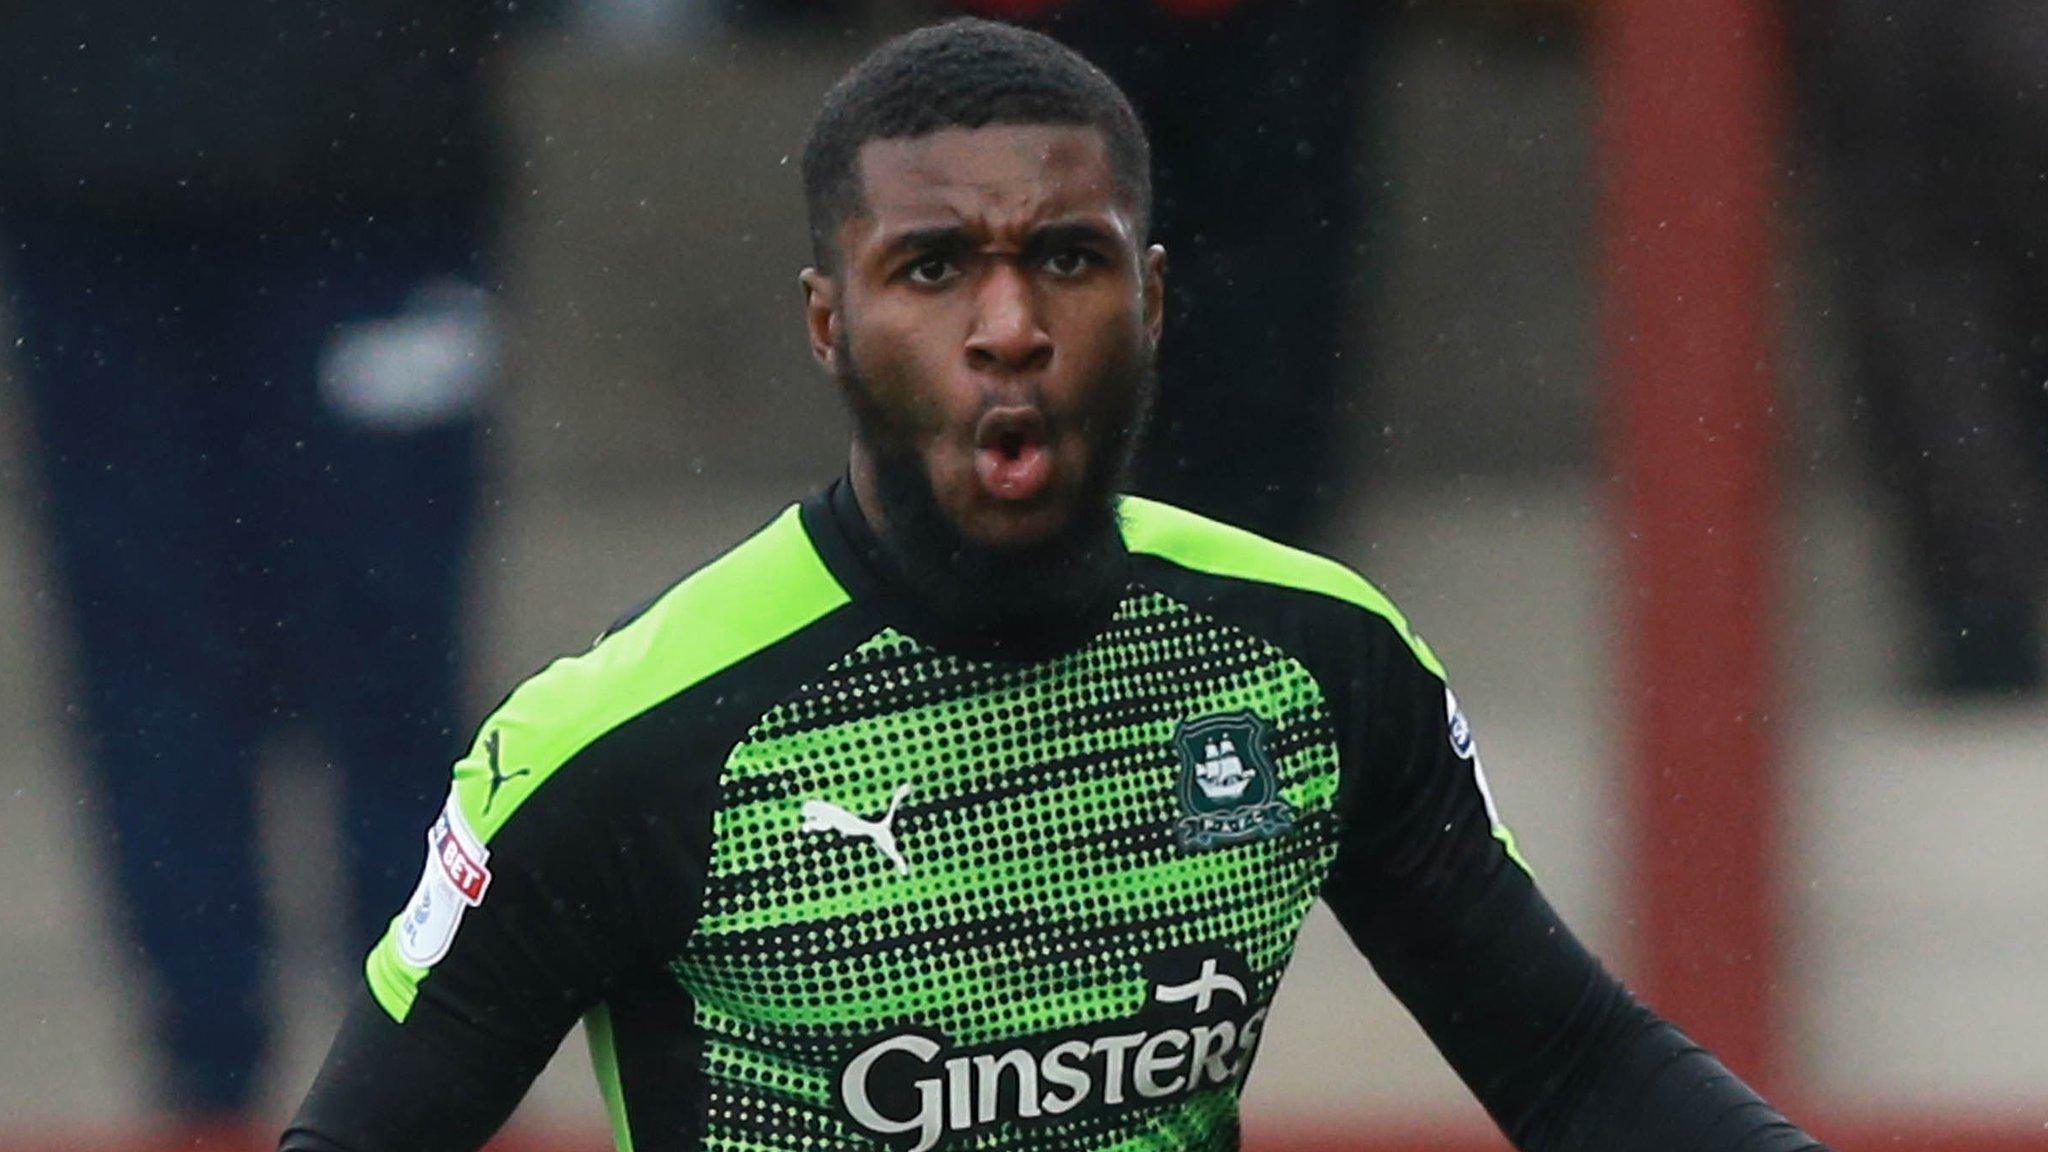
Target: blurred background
column 1679, row 366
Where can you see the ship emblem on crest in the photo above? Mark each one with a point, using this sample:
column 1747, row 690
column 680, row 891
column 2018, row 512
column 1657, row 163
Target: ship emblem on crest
column 1229, row 789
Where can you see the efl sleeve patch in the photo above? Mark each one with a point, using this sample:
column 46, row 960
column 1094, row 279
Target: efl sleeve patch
column 1467, row 748
column 454, row 880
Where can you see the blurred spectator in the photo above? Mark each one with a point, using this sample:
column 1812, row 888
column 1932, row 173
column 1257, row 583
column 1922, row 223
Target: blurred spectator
column 1933, row 118
column 247, row 250
column 1263, row 170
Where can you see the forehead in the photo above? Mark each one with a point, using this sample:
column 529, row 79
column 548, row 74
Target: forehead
column 1001, row 175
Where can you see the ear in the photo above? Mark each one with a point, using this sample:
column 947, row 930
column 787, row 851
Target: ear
column 1154, row 272
column 821, row 316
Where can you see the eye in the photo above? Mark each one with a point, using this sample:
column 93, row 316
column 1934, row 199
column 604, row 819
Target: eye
column 1070, row 262
column 931, row 271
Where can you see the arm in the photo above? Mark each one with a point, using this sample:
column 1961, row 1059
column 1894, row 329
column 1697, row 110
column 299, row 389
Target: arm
column 432, row 1082
column 1430, row 888
column 551, row 874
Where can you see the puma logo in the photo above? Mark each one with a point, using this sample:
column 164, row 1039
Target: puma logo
column 498, row 778
column 825, row 816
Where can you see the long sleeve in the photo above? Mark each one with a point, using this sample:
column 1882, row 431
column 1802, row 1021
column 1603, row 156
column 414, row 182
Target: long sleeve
column 1432, row 889
column 565, row 867
column 431, row 1082
column 504, row 945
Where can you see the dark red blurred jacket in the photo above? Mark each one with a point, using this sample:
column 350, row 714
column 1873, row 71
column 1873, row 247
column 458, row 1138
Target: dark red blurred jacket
column 1038, row 9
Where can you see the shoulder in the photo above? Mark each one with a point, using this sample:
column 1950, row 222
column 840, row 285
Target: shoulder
column 766, row 590
column 1271, row 579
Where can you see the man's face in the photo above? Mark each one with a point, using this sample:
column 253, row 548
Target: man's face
column 993, row 318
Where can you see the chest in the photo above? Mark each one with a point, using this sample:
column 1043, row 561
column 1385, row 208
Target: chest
column 992, row 851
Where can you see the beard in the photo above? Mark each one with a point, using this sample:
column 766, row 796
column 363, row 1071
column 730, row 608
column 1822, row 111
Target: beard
column 1009, row 589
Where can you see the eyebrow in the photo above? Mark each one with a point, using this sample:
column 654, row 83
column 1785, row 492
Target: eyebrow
column 955, row 237
column 935, row 238
column 1068, row 234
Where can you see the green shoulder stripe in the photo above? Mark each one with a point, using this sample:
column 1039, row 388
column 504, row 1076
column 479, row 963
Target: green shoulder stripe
column 604, row 1060
column 769, row 588
column 773, row 585
column 1194, row 541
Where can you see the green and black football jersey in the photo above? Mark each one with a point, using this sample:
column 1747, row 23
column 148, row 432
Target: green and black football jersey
column 822, row 872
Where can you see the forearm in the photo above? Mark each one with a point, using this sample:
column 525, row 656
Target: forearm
column 1432, row 890
column 1639, row 1083
column 421, row 1086
column 1555, row 1048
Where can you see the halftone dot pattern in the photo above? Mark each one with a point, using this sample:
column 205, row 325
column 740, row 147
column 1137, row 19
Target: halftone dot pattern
column 1043, row 869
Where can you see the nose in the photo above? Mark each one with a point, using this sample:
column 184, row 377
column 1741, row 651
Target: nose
column 1009, row 334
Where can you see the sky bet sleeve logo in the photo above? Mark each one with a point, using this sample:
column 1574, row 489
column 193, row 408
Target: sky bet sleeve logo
column 1228, row 786
column 1190, row 1035
column 453, row 882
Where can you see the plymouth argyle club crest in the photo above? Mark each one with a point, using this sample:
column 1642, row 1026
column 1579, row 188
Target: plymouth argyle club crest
column 1228, row 786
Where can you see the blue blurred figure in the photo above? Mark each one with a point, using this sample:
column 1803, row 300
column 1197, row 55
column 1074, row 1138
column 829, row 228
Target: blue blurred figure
column 248, row 251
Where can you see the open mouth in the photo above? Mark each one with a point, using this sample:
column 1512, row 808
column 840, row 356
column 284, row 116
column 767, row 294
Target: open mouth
column 1012, row 455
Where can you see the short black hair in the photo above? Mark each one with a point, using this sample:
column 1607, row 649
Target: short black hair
column 964, row 73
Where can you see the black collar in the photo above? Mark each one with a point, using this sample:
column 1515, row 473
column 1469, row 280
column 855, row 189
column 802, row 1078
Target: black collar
column 872, row 575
